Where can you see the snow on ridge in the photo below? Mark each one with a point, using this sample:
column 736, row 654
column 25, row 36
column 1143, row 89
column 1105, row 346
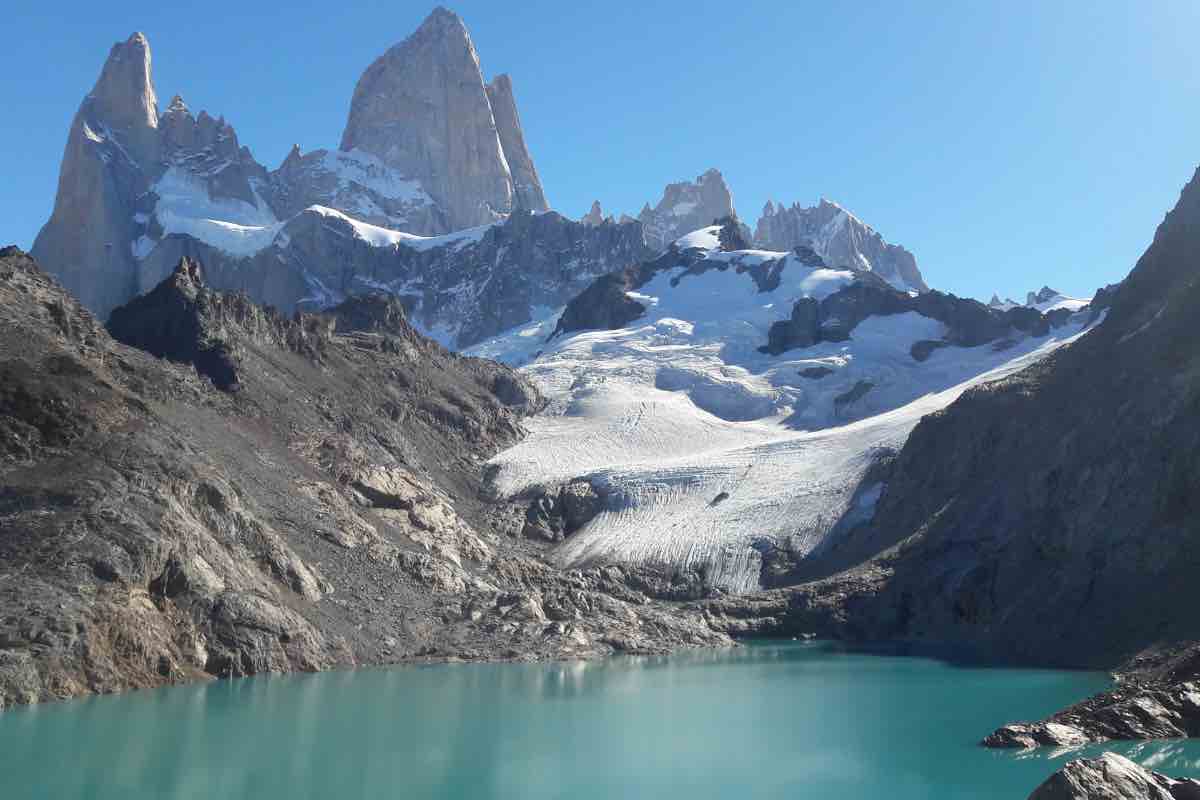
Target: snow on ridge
column 704, row 239
column 1072, row 304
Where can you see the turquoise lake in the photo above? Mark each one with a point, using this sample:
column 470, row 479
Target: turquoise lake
column 797, row 720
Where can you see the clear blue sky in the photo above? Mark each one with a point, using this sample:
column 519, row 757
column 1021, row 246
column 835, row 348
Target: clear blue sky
column 1006, row 144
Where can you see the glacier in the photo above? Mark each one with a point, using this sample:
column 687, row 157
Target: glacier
column 709, row 451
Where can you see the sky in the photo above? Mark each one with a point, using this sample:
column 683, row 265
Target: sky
column 1006, row 144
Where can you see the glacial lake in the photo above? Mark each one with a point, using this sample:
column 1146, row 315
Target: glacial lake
column 771, row 720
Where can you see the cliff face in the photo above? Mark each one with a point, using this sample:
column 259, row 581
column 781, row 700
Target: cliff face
column 271, row 495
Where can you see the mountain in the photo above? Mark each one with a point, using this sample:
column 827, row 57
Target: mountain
column 840, row 238
column 429, row 148
column 733, row 407
column 214, row 489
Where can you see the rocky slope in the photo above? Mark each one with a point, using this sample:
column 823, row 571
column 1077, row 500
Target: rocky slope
column 428, row 148
column 274, row 494
column 1113, row 777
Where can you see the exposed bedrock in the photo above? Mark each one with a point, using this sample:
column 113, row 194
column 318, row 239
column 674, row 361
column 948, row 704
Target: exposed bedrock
column 1113, row 777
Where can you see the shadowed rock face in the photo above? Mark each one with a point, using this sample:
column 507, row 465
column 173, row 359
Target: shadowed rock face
column 969, row 323
column 156, row 529
column 1113, row 777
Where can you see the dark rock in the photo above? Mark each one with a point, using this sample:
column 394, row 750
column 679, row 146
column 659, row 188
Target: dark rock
column 802, row 330
column 815, row 373
column 555, row 515
column 922, row 350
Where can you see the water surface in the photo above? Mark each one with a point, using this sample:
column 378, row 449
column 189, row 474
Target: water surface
column 798, row 720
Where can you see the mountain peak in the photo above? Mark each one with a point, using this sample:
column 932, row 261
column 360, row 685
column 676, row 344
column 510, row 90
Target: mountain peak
column 123, row 98
column 423, row 109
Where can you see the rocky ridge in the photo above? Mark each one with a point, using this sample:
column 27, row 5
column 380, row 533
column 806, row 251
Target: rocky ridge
column 322, row 508
column 840, row 238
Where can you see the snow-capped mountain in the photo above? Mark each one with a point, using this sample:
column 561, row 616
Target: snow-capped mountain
column 1044, row 300
column 840, row 239
column 714, row 449
column 135, row 180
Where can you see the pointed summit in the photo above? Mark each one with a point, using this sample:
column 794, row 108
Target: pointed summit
column 595, row 216
column 114, row 137
column 423, row 109
column 123, row 99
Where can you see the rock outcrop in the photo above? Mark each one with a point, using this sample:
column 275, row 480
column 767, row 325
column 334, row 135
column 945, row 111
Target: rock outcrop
column 160, row 527
column 1155, row 711
column 968, row 323
column 840, row 238
column 1113, row 777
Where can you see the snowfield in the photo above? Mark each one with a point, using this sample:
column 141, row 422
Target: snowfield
column 707, row 450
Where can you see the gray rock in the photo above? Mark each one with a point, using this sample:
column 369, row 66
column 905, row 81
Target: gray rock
column 1157, row 711
column 1113, row 777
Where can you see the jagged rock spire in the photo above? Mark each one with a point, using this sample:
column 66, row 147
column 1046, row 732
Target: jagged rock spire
column 595, row 216
column 123, row 99
column 527, row 186
column 85, row 244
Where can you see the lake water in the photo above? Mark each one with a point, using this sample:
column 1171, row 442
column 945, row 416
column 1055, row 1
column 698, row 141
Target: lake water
column 796, row 720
